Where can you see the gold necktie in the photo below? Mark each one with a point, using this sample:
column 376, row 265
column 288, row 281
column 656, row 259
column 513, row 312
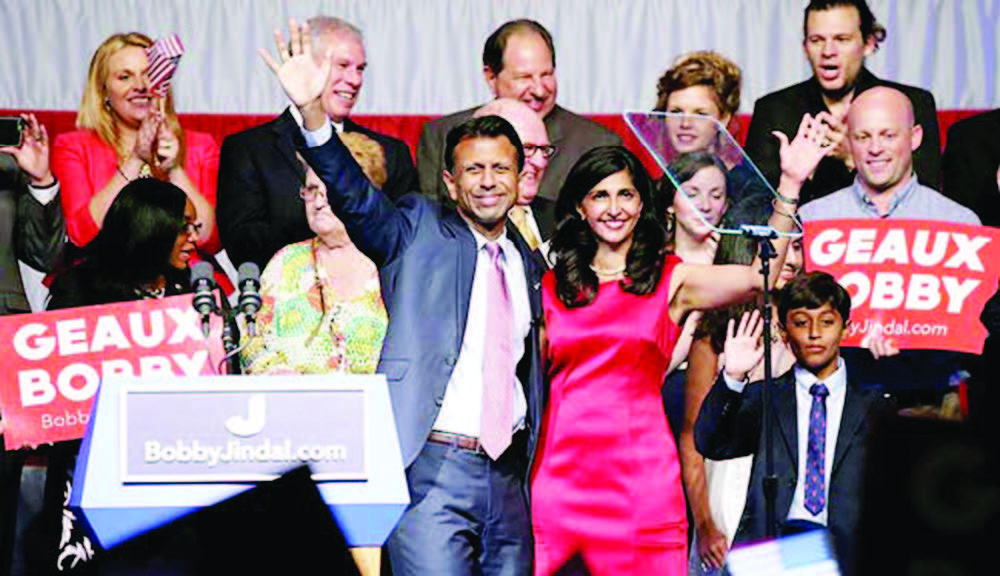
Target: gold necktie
column 520, row 215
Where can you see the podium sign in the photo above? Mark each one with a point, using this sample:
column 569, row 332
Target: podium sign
column 159, row 448
column 266, row 433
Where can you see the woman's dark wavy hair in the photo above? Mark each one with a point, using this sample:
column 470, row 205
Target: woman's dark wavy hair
column 140, row 229
column 575, row 244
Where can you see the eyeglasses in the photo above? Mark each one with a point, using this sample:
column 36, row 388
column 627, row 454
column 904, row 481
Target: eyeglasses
column 192, row 228
column 547, row 150
column 309, row 192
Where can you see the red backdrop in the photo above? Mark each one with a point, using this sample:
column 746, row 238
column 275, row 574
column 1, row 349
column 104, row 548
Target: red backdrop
column 405, row 127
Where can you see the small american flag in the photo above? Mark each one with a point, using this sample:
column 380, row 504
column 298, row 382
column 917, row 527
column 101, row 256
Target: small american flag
column 806, row 554
column 163, row 57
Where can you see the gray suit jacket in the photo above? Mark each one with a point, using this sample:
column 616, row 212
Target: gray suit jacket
column 572, row 134
column 29, row 232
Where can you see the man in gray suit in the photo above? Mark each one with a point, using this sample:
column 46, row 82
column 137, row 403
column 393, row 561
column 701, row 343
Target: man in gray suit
column 519, row 61
column 32, row 230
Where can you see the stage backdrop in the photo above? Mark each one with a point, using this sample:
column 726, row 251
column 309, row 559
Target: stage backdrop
column 425, row 55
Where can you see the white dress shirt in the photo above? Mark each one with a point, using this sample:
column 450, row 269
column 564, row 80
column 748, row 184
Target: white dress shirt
column 837, row 385
column 462, row 407
column 44, row 195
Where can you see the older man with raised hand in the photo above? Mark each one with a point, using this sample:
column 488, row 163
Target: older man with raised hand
column 838, row 35
column 259, row 210
column 461, row 353
column 532, row 215
column 519, row 62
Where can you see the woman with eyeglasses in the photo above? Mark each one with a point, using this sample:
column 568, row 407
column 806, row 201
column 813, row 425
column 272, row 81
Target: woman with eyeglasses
column 142, row 251
column 321, row 302
column 321, row 307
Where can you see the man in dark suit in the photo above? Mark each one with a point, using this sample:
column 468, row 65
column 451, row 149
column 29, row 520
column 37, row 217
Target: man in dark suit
column 972, row 165
column 519, row 62
column 818, row 422
column 461, row 352
column 839, row 34
column 32, row 230
column 259, row 210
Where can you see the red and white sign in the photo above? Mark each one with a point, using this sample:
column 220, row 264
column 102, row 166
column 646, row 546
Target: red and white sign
column 54, row 361
column 920, row 283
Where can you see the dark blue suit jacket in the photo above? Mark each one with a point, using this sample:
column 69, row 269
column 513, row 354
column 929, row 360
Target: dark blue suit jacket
column 731, row 425
column 426, row 257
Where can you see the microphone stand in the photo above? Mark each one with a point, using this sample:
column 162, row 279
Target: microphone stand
column 763, row 236
column 230, row 337
column 210, row 299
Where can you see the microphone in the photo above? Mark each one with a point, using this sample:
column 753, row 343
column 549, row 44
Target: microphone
column 204, row 296
column 248, row 280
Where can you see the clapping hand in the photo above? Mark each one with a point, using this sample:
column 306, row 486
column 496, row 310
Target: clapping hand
column 837, row 136
column 812, row 143
column 302, row 77
column 145, row 140
column 32, row 155
column 167, row 148
column 743, row 349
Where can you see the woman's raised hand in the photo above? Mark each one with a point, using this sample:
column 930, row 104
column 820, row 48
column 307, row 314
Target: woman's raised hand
column 167, row 148
column 145, row 140
column 812, row 143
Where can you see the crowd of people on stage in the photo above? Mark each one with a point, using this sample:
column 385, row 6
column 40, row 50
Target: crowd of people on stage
column 572, row 348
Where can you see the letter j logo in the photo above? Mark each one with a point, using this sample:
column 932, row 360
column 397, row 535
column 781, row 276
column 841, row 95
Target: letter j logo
column 253, row 423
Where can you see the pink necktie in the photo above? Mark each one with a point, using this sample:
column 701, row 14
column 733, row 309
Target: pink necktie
column 498, row 362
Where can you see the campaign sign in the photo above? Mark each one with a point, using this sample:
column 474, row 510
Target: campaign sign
column 55, row 361
column 159, row 448
column 920, row 283
column 186, row 433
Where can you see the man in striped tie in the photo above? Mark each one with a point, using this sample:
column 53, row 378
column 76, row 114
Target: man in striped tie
column 819, row 418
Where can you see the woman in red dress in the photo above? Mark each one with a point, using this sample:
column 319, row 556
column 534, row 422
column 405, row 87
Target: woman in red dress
column 606, row 481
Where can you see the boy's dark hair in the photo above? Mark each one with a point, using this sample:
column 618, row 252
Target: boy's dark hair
column 811, row 291
column 483, row 127
column 870, row 28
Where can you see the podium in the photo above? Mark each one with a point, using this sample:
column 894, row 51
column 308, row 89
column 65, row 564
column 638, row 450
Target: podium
column 159, row 448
